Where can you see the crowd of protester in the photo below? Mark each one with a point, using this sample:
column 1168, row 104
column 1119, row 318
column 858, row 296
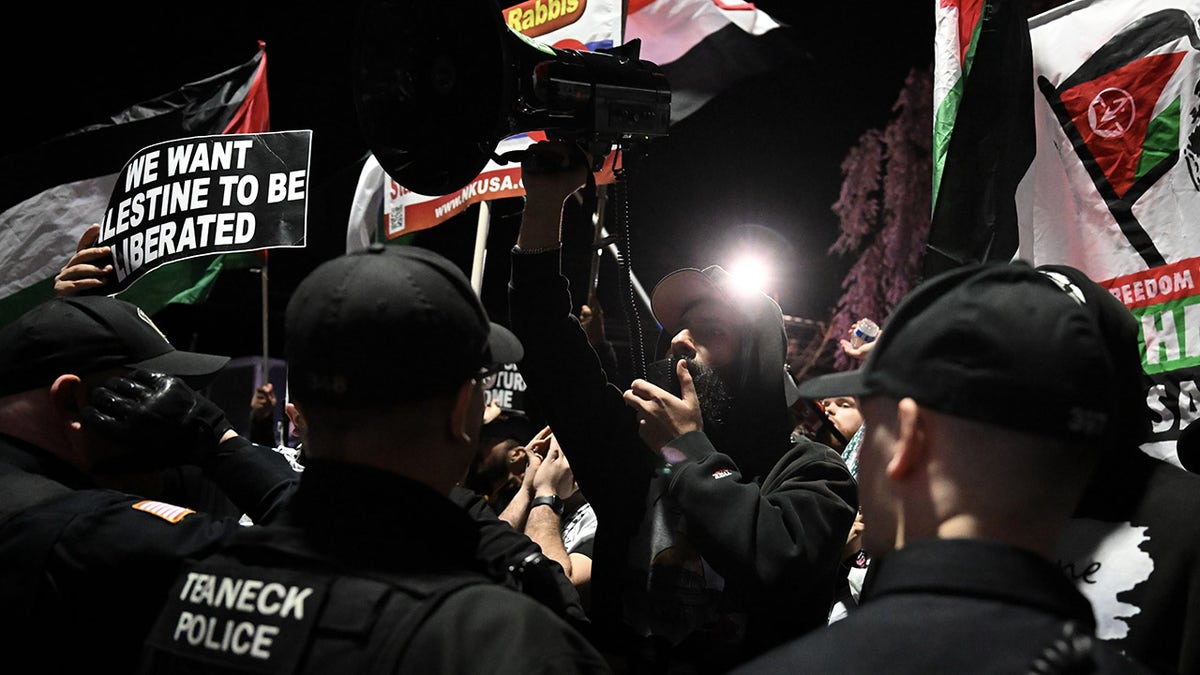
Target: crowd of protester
column 974, row 499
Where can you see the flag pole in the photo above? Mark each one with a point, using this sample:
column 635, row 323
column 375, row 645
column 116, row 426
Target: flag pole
column 266, row 371
column 611, row 245
column 481, row 234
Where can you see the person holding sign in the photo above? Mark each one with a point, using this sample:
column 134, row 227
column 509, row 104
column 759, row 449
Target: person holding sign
column 90, row 272
column 93, row 402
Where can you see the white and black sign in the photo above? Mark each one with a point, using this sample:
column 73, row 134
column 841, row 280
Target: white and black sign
column 206, row 195
column 509, row 390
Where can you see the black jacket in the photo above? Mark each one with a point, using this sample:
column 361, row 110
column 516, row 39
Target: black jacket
column 385, row 577
column 953, row 606
column 83, row 570
column 1133, row 548
column 754, row 555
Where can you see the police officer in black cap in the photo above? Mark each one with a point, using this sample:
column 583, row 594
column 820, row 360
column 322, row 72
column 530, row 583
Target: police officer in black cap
column 987, row 400
column 92, row 397
column 372, row 567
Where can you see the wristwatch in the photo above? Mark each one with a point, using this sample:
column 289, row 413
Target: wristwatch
column 547, row 500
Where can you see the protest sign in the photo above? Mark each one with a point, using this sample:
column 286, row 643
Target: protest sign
column 509, row 391
column 206, row 195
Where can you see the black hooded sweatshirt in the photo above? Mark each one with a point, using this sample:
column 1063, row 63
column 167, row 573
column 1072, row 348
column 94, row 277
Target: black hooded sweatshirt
column 730, row 552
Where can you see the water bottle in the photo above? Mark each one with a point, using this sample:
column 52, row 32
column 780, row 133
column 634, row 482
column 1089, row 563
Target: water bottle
column 865, row 331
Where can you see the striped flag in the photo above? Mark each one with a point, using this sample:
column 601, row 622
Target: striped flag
column 983, row 132
column 51, row 193
column 168, row 512
column 705, row 46
column 958, row 23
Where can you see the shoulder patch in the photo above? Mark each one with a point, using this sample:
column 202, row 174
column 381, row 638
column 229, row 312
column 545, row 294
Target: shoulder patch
column 168, row 512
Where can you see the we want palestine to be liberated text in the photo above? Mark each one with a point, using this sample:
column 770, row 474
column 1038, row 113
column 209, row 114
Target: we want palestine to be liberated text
column 210, row 194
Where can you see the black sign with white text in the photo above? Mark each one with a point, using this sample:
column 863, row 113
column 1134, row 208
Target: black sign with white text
column 207, row 195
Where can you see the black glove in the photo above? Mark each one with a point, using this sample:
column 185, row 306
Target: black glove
column 158, row 419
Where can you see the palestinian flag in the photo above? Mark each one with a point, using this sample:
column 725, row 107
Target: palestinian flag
column 50, row 194
column 705, row 46
column 983, row 133
column 957, row 34
column 1121, row 119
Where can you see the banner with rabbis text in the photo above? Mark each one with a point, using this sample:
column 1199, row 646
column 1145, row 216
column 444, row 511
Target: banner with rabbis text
column 207, row 195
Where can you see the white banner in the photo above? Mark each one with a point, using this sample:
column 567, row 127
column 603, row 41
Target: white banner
column 1115, row 187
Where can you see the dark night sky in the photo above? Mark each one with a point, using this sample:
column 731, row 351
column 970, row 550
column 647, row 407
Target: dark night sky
column 763, row 158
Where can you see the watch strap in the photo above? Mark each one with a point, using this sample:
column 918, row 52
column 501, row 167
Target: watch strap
column 548, row 500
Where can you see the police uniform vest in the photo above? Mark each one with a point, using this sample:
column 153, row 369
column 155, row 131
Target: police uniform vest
column 243, row 612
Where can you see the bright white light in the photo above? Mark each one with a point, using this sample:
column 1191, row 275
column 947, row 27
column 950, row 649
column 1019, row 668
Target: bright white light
column 750, row 274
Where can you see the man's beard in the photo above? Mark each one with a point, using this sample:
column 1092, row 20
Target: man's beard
column 716, row 396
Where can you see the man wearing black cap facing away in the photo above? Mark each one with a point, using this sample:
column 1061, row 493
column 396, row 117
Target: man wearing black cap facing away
column 717, row 536
column 372, row 568
column 92, row 397
column 988, row 399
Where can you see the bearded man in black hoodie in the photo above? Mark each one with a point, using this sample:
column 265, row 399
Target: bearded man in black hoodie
column 718, row 537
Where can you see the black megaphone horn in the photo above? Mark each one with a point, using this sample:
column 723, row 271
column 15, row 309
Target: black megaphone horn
column 439, row 83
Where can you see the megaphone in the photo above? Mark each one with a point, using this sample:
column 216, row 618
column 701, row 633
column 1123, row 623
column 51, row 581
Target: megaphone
column 439, row 83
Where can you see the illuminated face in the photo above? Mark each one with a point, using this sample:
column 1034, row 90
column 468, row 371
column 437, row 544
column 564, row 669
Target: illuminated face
column 843, row 412
column 710, row 333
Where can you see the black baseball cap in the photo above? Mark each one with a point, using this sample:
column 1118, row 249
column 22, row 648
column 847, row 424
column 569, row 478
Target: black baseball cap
column 997, row 343
column 684, row 288
column 509, row 424
column 1120, row 330
column 389, row 324
column 90, row 334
